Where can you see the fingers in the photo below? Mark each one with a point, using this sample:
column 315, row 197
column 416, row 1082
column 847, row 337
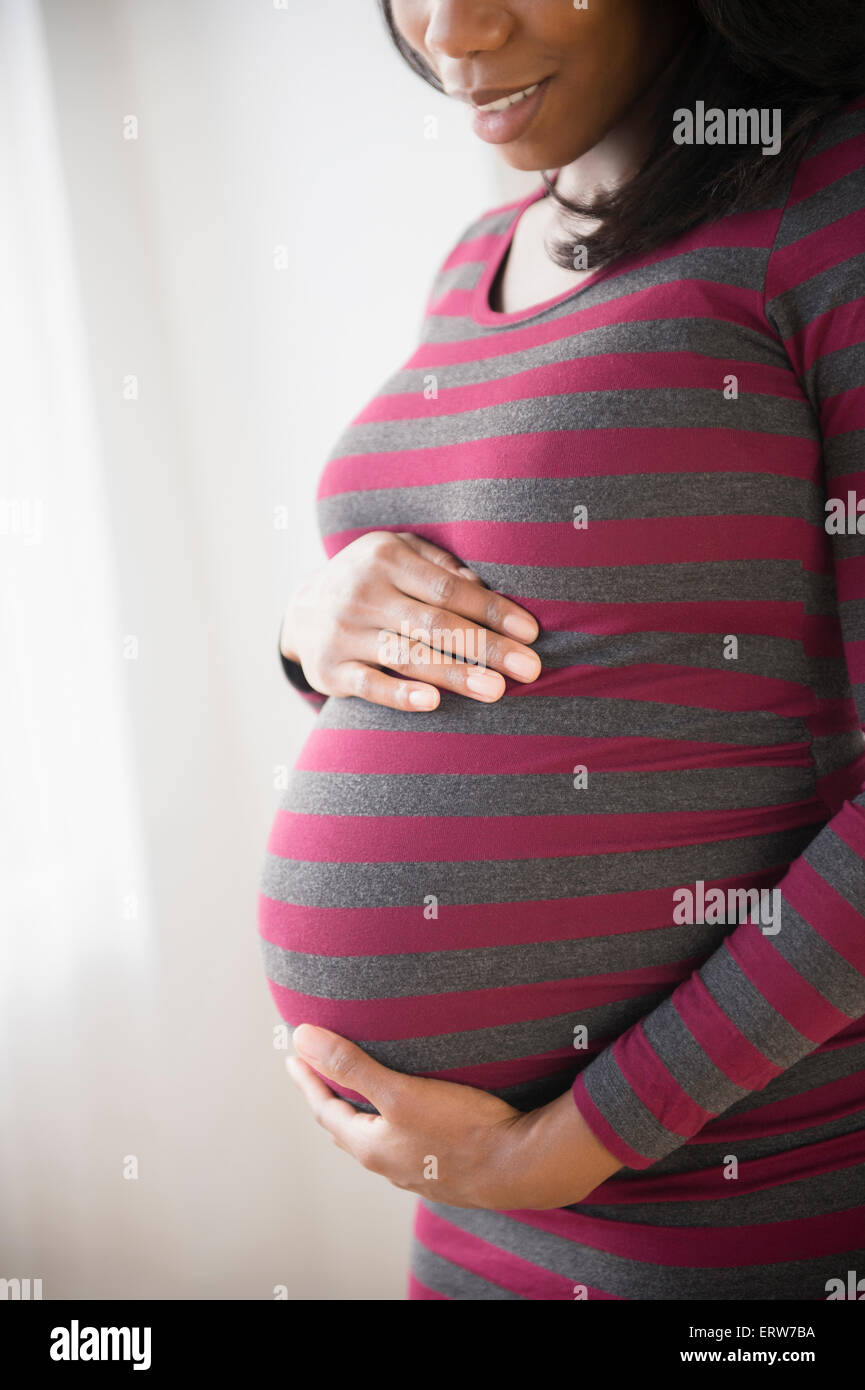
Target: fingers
column 343, row 1061
column 349, row 1128
column 439, row 646
column 444, row 588
column 418, row 661
column 367, row 683
column 436, row 556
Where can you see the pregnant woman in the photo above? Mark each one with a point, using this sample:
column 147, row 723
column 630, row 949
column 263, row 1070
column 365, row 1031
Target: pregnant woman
column 568, row 885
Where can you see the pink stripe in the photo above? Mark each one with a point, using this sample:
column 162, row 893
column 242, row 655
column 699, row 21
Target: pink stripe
column 728, row 689
column 322, row 839
column 788, row 992
column 850, row 573
column 381, row 931
column 398, row 752
column 604, row 1132
column 797, row 1165
column 417, row 1290
column 850, row 827
column 823, row 169
column 649, row 541
column 431, row 1015
column 654, row 1085
column 819, row 1105
column 696, row 1247
column 824, row 909
column 832, row 717
column 487, row 1261
column 820, row 250
column 782, row 619
column 842, row 785
column 720, row 1039
column 596, row 453
column 603, row 372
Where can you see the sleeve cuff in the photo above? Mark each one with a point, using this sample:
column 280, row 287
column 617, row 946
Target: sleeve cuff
column 602, row 1129
column 294, row 674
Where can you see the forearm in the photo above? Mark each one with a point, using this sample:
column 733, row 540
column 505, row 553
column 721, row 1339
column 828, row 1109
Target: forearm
column 555, row 1158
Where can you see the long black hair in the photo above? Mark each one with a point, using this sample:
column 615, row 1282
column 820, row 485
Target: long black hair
column 803, row 57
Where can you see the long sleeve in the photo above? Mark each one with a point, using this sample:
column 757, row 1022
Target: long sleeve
column 765, row 999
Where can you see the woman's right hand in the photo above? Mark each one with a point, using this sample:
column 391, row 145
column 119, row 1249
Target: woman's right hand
column 351, row 618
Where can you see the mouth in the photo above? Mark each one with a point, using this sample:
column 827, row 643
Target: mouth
column 501, row 116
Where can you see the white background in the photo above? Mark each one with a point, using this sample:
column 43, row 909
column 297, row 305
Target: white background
column 136, row 792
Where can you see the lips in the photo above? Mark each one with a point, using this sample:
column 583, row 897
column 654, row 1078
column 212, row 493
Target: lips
column 502, row 115
column 485, row 96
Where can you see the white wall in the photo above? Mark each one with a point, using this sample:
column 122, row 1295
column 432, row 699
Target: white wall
column 258, row 127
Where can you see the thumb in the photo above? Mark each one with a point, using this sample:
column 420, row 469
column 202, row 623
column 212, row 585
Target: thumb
column 346, row 1063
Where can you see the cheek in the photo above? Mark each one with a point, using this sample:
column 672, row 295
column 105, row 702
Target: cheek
column 411, row 18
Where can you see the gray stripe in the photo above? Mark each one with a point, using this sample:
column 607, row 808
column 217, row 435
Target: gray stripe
column 842, row 370
column 742, row 267
column 779, row 657
column 430, row 972
column 552, row 500
column 579, row 718
column 327, row 884
column 751, row 1013
column 794, row 309
column 730, row 581
column 843, row 454
column 452, row 1280
column 624, row 1111
column 688, row 1064
column 852, row 613
column 545, row 794
column 817, row 962
column 634, row 1279
column 620, row 408
column 831, row 752
column 711, row 338
column 839, row 865
column 835, row 129
column 829, row 204
column 510, row 1042
column 819, row 1196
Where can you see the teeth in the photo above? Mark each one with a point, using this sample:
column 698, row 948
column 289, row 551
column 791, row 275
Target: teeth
column 509, row 101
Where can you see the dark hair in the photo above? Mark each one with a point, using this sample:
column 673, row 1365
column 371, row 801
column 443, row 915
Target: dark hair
column 805, row 57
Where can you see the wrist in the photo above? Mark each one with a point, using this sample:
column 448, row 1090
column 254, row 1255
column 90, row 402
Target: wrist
column 554, row 1158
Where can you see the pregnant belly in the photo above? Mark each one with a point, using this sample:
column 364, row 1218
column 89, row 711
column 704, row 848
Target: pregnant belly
column 453, row 896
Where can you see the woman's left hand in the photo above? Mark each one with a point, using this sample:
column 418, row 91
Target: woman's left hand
column 442, row 1140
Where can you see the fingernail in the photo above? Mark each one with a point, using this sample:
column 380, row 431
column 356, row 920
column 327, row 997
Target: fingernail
column 522, row 628
column 525, row 666
column 485, row 683
column 423, row 699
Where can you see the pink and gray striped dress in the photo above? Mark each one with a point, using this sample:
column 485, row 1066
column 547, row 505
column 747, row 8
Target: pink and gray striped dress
column 450, row 891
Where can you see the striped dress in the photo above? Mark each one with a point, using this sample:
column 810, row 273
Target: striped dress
column 498, row 894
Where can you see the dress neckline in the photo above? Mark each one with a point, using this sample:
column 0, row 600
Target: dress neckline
column 482, row 311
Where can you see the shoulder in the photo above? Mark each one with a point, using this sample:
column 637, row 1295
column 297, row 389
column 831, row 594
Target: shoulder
column 814, row 297
column 473, row 246
column 478, row 235
column 818, row 253
column 828, row 185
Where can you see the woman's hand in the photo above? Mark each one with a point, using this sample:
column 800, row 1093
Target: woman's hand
column 447, row 1142
column 392, row 599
